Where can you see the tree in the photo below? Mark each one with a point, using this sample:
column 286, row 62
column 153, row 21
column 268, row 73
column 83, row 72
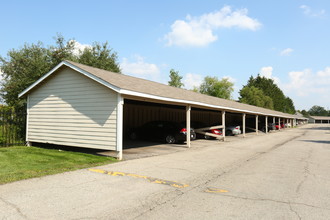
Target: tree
column 318, row 111
column 269, row 88
column 100, row 56
column 304, row 113
column 24, row 66
column 254, row 96
column 175, row 79
column 214, row 87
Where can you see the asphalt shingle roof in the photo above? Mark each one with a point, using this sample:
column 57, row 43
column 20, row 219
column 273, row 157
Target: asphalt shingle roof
column 157, row 89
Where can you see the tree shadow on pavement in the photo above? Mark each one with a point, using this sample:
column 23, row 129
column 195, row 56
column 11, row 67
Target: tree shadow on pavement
column 319, row 142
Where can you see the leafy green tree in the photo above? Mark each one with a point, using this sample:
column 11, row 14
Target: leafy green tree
column 21, row 69
column 214, row 87
column 100, row 56
column 304, row 113
column 24, row 66
column 318, row 111
column 269, row 88
column 254, row 96
column 175, row 79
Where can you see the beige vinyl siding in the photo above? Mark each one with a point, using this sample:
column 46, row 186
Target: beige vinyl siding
column 71, row 109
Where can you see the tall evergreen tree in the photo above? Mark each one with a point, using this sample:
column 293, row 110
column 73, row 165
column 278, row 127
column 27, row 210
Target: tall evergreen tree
column 269, row 88
column 254, row 96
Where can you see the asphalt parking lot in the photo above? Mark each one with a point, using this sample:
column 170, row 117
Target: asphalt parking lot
column 281, row 175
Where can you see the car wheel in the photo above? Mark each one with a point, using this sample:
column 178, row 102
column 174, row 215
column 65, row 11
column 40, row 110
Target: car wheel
column 133, row 135
column 170, row 139
column 193, row 136
column 207, row 137
column 229, row 133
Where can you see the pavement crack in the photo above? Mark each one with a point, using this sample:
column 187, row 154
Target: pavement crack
column 295, row 212
column 306, row 171
column 275, row 201
column 161, row 202
column 15, row 207
column 176, row 168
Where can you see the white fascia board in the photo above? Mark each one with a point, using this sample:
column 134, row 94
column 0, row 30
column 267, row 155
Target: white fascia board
column 138, row 94
column 87, row 74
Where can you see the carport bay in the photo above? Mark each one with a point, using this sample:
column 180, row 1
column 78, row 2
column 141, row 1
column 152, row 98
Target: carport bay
column 137, row 113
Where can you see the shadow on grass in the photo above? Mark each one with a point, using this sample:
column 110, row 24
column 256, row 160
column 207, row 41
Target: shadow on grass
column 97, row 152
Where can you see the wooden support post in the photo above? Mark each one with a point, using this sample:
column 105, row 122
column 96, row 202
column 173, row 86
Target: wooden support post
column 266, row 130
column 223, row 116
column 274, row 120
column 120, row 121
column 279, row 123
column 188, row 110
column 257, row 121
column 244, row 116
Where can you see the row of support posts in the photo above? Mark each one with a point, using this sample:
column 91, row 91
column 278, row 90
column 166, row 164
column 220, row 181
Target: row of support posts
column 188, row 127
column 223, row 117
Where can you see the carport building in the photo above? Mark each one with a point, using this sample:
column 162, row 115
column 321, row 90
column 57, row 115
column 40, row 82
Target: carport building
column 81, row 106
column 320, row 119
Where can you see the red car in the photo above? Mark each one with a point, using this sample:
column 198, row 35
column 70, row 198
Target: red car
column 277, row 127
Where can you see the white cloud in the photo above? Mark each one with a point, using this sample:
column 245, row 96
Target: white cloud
column 267, row 72
column 140, row 68
column 79, row 48
column 312, row 13
column 230, row 79
column 286, row 52
column 199, row 31
column 307, row 83
column 192, row 80
column 324, row 73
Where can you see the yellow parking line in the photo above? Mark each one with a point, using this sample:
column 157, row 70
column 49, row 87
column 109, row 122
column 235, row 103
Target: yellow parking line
column 215, row 190
column 150, row 179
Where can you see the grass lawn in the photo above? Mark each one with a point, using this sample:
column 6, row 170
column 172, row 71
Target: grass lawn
column 17, row 163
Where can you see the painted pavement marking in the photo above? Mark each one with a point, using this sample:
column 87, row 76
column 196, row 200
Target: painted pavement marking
column 150, row 179
column 215, row 190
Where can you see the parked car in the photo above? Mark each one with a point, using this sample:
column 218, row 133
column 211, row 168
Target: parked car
column 277, row 126
column 271, row 126
column 197, row 124
column 233, row 130
column 165, row 131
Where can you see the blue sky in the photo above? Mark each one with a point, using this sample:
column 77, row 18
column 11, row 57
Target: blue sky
column 286, row 40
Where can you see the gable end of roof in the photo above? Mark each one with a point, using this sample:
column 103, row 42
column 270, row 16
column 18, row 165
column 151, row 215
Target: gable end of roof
column 77, row 69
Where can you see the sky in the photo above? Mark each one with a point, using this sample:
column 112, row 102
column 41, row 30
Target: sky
column 285, row 40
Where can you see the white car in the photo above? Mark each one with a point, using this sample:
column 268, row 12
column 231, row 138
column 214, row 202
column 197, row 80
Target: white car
column 233, row 130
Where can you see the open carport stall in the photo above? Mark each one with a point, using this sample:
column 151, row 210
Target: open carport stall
column 82, row 106
column 320, row 119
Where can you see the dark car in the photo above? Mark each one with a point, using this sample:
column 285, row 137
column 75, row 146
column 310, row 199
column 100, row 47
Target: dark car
column 165, row 131
column 271, row 126
column 197, row 125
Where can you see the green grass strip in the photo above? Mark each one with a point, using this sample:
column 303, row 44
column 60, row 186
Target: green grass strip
column 20, row 162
